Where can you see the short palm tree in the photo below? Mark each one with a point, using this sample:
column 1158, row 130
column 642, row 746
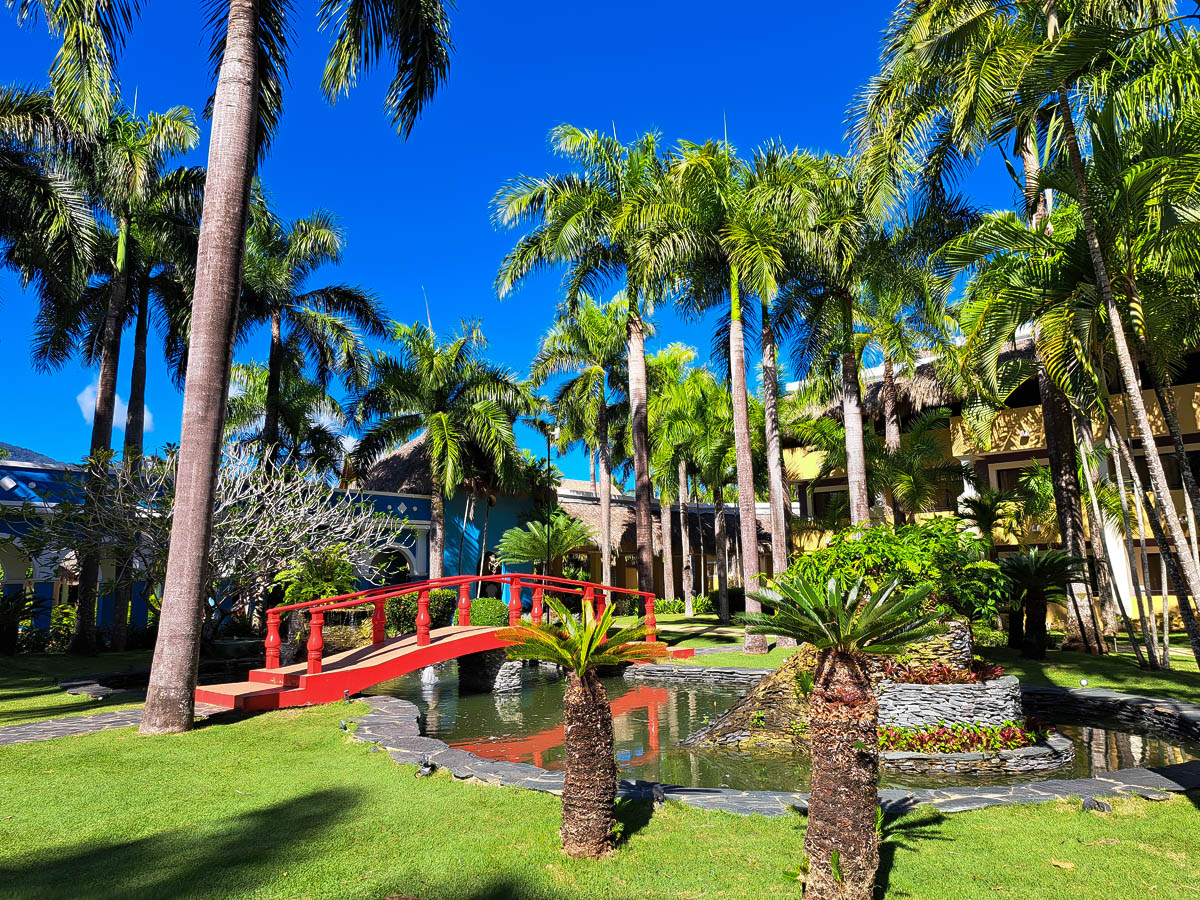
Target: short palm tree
column 1038, row 576
column 538, row 543
column 845, row 625
column 582, row 646
column 446, row 389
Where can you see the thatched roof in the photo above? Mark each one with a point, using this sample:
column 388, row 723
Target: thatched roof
column 403, row 471
column 624, row 528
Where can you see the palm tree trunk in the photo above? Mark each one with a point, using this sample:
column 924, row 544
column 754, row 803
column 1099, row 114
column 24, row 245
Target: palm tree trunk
column 83, row 639
column 1034, row 644
column 592, row 468
column 170, row 699
column 685, row 542
column 891, row 436
column 1093, row 640
column 437, row 530
column 590, row 786
column 135, row 430
column 1127, row 526
column 1165, row 394
column 487, row 513
column 747, row 521
column 604, row 458
column 641, row 444
column 668, row 552
column 776, row 487
column 468, row 514
column 843, row 728
column 1167, row 558
column 856, row 455
column 1133, row 395
column 721, row 553
column 270, row 429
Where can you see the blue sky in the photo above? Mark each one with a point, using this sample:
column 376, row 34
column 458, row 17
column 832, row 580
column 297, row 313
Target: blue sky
column 416, row 211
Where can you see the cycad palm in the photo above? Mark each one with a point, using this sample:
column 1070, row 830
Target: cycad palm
column 1038, row 576
column 589, row 343
column 582, row 646
column 448, row 391
column 578, row 223
column 538, row 542
column 845, row 625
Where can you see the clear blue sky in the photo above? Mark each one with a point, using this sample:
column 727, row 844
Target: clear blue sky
column 416, row 212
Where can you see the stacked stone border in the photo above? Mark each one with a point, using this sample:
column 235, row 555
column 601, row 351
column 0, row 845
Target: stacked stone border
column 394, row 725
column 1054, row 752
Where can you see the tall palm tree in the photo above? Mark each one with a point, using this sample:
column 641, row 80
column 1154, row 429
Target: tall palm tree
column 448, row 391
column 310, row 424
column 579, row 223
column 590, row 343
column 318, row 323
column 845, row 625
column 720, row 231
column 251, row 46
column 582, row 646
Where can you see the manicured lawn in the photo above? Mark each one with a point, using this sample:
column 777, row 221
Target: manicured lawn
column 772, row 659
column 282, row 805
column 1115, row 671
column 29, row 685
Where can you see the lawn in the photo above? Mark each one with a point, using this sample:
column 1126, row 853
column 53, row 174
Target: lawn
column 282, row 805
column 1115, row 671
column 29, row 685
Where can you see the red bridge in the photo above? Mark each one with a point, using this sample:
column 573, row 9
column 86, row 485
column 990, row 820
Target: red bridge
column 324, row 679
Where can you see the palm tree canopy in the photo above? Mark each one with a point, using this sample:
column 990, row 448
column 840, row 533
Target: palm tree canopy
column 830, row 617
column 535, row 541
column 582, row 644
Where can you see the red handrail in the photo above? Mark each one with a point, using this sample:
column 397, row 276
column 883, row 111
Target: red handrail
column 589, row 591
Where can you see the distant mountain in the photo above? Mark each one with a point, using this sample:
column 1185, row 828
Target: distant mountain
column 13, row 453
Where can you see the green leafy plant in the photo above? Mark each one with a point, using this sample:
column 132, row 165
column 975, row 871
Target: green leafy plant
column 401, row 612
column 532, row 543
column 489, row 611
column 758, row 719
column 805, row 679
column 958, row 738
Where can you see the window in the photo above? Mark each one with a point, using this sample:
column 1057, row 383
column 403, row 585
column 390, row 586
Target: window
column 824, row 500
column 1170, row 469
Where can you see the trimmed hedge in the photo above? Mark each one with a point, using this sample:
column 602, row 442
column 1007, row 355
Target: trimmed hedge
column 490, row 611
column 402, row 611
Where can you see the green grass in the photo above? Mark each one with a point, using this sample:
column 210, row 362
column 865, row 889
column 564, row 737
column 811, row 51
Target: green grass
column 29, row 685
column 1114, row 671
column 282, row 805
column 736, row 658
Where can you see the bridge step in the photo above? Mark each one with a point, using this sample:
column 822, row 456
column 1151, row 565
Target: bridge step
column 249, row 696
column 278, row 676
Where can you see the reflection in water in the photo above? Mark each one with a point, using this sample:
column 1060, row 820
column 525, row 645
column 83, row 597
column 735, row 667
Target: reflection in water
column 649, row 722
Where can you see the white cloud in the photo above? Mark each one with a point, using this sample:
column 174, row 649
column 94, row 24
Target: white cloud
column 87, row 406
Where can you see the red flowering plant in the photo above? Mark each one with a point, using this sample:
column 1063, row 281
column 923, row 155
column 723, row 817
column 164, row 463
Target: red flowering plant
column 959, row 738
column 940, row 673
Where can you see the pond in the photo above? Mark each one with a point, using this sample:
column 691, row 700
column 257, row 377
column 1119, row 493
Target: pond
column 650, row 719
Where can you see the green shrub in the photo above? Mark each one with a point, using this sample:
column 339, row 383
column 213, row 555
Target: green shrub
column 986, row 636
column 737, row 601
column 940, row 552
column 314, row 576
column 402, row 611
column 702, row 606
column 489, row 611
column 668, row 607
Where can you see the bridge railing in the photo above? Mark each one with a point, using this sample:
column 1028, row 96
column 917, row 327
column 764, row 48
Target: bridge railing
column 595, row 596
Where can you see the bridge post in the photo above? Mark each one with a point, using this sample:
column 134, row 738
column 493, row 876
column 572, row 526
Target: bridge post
column 588, row 608
column 423, row 618
column 379, row 622
column 272, row 642
column 601, row 602
column 464, row 604
column 651, row 622
column 316, row 642
column 514, row 603
column 536, row 611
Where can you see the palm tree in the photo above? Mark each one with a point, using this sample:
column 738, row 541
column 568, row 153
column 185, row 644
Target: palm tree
column 580, row 224
column 315, row 323
column 582, row 647
column 448, row 391
column 251, row 46
column 310, row 423
column 720, row 231
column 845, row 625
column 536, row 543
column 590, row 343
column 1038, row 576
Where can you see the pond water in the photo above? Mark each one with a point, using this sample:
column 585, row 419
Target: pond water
column 650, row 719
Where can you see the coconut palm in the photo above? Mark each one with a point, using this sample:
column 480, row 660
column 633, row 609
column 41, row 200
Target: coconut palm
column 582, row 646
column 317, row 325
column 251, row 46
column 588, row 342
column 446, row 389
column 845, row 625
column 578, row 222
column 1038, row 576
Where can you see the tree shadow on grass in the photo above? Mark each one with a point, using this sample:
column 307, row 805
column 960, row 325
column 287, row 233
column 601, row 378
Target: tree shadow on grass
column 246, row 852
column 632, row 816
column 902, row 831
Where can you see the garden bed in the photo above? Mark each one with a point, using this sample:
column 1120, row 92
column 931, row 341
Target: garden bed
column 1053, row 752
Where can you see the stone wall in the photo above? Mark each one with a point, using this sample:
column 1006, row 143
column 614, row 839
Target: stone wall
column 1054, row 752
column 489, row 672
column 954, row 648
column 916, row 705
column 1170, row 719
column 772, row 713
